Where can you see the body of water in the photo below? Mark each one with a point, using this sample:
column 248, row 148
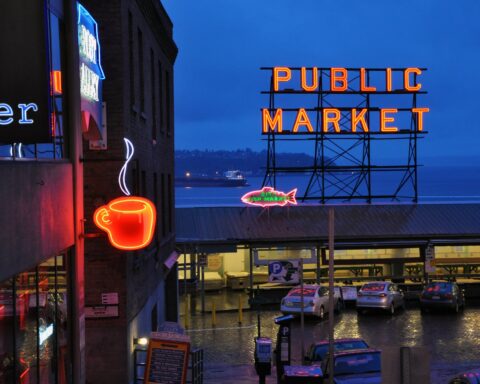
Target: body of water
column 435, row 184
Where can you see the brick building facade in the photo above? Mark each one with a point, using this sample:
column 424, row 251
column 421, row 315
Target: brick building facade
column 138, row 53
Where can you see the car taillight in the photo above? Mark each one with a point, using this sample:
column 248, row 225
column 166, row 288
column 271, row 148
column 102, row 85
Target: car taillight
column 383, row 295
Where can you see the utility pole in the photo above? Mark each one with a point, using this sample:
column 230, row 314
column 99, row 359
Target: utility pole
column 331, row 291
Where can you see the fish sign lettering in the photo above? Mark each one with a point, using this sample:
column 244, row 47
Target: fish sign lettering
column 269, row 197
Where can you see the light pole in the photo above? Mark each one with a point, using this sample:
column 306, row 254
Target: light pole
column 331, row 292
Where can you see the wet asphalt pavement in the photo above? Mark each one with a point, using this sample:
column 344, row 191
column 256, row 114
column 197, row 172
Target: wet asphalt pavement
column 452, row 339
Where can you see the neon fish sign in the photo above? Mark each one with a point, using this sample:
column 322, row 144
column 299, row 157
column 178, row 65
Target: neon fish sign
column 129, row 221
column 269, row 197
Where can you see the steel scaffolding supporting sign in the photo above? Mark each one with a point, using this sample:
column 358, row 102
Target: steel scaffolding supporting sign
column 351, row 120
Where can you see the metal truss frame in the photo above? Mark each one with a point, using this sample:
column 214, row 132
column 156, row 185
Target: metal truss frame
column 342, row 167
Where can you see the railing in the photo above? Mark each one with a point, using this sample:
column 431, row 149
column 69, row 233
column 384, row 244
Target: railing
column 195, row 366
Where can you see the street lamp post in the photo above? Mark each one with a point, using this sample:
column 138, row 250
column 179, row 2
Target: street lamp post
column 331, row 292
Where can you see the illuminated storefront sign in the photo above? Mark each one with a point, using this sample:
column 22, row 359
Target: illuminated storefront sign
column 129, row 221
column 342, row 81
column 268, row 197
column 91, row 75
column 25, row 74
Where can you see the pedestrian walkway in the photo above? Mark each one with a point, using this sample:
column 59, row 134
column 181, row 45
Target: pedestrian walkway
column 234, row 374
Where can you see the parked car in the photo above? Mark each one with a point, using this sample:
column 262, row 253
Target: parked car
column 339, row 302
column 315, row 301
column 470, row 377
column 355, row 366
column 442, row 295
column 380, row 295
column 319, row 349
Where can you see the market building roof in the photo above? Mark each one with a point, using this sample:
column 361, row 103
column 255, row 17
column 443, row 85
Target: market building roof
column 451, row 223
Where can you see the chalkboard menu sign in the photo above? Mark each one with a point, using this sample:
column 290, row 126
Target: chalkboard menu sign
column 167, row 362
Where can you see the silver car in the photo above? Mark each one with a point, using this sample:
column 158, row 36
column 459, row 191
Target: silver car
column 315, row 301
column 380, row 295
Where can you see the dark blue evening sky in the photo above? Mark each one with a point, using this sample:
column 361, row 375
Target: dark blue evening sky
column 223, row 43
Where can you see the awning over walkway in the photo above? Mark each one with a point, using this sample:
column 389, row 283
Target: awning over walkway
column 450, row 223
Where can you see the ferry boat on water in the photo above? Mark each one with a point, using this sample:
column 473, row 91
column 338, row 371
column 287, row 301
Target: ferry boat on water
column 233, row 178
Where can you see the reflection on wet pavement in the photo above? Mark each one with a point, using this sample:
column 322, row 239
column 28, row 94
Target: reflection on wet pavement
column 453, row 340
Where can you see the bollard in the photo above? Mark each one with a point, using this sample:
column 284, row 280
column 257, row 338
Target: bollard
column 214, row 315
column 240, row 310
column 187, row 311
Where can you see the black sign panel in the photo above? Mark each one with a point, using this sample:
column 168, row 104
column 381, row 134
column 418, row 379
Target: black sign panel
column 24, row 72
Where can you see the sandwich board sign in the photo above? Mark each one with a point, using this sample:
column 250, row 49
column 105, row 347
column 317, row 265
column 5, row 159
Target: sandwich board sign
column 167, row 357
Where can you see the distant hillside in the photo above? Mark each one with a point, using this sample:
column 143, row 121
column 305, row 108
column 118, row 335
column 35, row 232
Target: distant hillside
column 217, row 162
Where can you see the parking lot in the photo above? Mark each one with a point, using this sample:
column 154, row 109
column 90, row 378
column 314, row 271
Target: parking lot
column 452, row 339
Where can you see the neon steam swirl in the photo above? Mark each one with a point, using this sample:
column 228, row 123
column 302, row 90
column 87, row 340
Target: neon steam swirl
column 123, row 171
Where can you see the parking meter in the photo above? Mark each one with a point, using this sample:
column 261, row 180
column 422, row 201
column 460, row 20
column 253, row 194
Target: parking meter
column 283, row 348
column 263, row 357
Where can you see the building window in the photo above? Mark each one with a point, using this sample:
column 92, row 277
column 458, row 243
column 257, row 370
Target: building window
column 170, row 204
column 160, row 96
column 154, row 318
column 144, row 185
column 163, row 198
column 154, row 91
column 131, row 60
column 34, row 336
column 141, row 70
column 168, row 106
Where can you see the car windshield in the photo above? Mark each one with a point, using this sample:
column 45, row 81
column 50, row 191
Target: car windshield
column 439, row 287
column 306, row 292
column 321, row 350
column 373, row 287
column 357, row 363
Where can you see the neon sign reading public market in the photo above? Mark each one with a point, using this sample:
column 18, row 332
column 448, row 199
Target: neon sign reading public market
column 342, row 81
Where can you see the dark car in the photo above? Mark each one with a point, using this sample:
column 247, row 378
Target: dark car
column 354, row 367
column 470, row 377
column 319, row 350
column 442, row 295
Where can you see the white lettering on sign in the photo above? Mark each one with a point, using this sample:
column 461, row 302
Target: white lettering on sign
column 6, row 113
column 88, row 45
column 88, row 83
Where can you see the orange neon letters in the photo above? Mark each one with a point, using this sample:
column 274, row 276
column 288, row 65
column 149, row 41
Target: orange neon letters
column 363, row 82
column 334, row 119
column 406, row 79
column 388, row 79
column 356, row 118
column 338, row 75
column 420, row 112
column 314, row 86
column 268, row 123
column 277, row 77
column 384, row 119
column 302, row 119
column 129, row 222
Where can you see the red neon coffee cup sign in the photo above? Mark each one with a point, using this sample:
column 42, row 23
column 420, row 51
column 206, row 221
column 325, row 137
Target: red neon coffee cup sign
column 129, row 221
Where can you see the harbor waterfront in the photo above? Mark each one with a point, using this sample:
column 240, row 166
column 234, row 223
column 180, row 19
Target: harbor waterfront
column 438, row 184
